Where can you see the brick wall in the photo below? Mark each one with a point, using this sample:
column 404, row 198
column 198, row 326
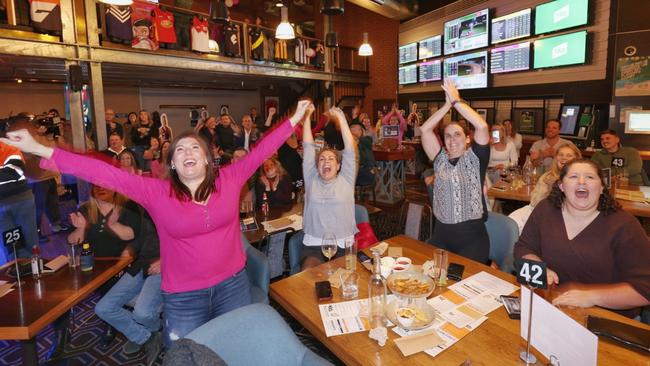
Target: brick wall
column 382, row 36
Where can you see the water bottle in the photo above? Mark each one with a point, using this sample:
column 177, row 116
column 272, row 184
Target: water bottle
column 527, row 171
column 87, row 261
column 376, row 294
column 37, row 262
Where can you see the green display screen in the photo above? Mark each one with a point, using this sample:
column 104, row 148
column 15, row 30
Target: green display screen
column 561, row 14
column 567, row 49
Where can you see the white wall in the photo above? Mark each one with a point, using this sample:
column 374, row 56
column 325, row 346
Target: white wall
column 239, row 103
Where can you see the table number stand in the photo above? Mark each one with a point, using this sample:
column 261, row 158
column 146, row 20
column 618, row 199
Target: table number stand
column 14, row 237
column 532, row 274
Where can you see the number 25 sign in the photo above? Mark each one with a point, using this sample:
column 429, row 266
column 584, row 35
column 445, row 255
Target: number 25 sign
column 532, row 273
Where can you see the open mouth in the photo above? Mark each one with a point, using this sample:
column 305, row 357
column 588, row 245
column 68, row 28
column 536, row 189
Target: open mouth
column 189, row 163
column 581, row 193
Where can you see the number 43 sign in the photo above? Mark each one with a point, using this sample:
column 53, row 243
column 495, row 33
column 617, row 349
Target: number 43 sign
column 532, row 273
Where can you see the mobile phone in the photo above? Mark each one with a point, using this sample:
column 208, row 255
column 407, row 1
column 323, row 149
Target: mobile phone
column 495, row 136
column 323, row 290
column 625, row 334
column 365, row 260
column 455, row 271
column 512, row 305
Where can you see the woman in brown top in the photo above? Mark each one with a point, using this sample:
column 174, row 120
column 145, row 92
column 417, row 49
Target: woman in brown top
column 598, row 253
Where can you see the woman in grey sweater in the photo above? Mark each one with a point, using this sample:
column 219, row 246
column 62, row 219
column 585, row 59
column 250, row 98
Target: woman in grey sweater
column 329, row 190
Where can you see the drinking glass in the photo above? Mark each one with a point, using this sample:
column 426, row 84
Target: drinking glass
column 350, row 253
column 329, row 248
column 74, row 255
column 245, row 209
column 440, row 264
column 350, row 285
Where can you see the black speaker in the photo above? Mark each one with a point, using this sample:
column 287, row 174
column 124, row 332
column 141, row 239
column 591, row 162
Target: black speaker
column 76, row 78
column 331, row 7
column 331, row 40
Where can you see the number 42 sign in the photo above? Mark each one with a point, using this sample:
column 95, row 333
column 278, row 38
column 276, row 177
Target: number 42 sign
column 532, row 273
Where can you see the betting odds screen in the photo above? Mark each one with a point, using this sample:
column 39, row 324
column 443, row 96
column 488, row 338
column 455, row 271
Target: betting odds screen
column 511, row 26
column 408, row 74
column 430, row 47
column 430, row 71
column 408, row 53
column 515, row 57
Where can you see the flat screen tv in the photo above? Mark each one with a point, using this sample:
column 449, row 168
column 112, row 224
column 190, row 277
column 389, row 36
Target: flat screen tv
column 408, row 53
column 468, row 71
column 561, row 14
column 638, row 122
column 430, row 47
column 408, row 74
column 567, row 49
column 569, row 115
column 430, row 71
column 467, row 33
column 512, row 26
column 515, row 57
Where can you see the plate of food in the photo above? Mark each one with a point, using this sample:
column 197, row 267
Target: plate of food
column 410, row 284
column 410, row 315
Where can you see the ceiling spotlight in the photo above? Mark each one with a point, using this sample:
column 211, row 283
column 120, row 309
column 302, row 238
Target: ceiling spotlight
column 279, row 4
column 19, row 81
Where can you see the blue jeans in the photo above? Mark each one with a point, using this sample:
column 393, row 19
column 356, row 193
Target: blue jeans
column 138, row 325
column 47, row 200
column 185, row 311
column 20, row 213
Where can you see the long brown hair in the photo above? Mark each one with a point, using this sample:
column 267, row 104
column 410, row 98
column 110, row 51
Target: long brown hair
column 178, row 188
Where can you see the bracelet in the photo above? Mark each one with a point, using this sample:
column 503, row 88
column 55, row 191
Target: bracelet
column 453, row 104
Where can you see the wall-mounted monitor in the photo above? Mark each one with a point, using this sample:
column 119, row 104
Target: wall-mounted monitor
column 430, row 71
column 511, row 26
column 515, row 57
column 567, row 49
column 408, row 74
column 430, row 47
column 569, row 115
column 467, row 33
column 561, row 14
column 638, row 122
column 468, row 71
column 408, row 53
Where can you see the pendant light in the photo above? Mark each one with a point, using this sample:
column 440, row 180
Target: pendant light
column 365, row 49
column 117, row 2
column 284, row 29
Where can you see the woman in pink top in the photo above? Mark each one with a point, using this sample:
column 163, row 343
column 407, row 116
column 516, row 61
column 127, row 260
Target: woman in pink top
column 394, row 118
column 196, row 213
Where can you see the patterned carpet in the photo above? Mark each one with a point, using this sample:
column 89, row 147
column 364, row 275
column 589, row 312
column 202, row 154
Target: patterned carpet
column 86, row 346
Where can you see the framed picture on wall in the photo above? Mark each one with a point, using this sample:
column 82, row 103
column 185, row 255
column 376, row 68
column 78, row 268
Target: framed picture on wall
column 487, row 114
column 528, row 120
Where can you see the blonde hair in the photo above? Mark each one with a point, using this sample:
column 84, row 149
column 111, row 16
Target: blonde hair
column 554, row 173
column 93, row 208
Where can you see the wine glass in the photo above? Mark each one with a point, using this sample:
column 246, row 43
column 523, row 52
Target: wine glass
column 329, row 248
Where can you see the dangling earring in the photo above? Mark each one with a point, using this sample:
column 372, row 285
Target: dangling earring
column 173, row 166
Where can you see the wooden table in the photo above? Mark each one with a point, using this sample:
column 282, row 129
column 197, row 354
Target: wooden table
column 30, row 308
column 495, row 342
column 638, row 209
column 392, row 173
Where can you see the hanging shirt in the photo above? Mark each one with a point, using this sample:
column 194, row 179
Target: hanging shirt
column 281, row 50
column 142, row 21
column 257, row 43
column 199, row 35
column 299, row 53
column 182, row 24
column 231, row 40
column 164, row 25
column 46, row 15
column 118, row 23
